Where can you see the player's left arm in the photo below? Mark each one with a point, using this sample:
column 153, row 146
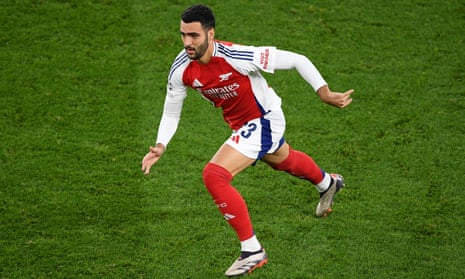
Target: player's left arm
column 285, row 60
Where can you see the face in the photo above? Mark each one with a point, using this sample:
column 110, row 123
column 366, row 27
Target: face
column 196, row 40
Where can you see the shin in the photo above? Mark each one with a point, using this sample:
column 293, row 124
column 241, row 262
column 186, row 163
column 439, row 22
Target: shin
column 229, row 201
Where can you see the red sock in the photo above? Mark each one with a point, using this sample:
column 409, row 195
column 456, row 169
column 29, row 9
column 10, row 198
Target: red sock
column 229, row 201
column 301, row 165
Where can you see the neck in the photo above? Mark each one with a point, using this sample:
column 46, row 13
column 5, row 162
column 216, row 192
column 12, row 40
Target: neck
column 208, row 54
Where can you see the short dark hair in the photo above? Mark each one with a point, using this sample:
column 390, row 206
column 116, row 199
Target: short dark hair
column 199, row 13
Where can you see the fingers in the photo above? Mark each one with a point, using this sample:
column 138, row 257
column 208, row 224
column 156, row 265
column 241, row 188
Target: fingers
column 151, row 158
column 346, row 103
column 145, row 166
column 348, row 92
column 146, row 170
column 347, row 99
column 146, row 161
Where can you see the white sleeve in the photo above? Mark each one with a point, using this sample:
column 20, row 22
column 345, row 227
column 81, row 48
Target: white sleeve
column 248, row 59
column 171, row 115
column 285, row 60
column 264, row 58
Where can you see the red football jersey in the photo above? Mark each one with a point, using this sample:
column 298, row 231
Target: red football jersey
column 231, row 80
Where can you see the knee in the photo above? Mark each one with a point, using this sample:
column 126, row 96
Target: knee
column 215, row 175
column 287, row 164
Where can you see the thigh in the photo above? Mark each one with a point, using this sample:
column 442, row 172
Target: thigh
column 231, row 159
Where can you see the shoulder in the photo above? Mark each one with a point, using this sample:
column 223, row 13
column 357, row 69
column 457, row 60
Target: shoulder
column 234, row 51
column 249, row 58
column 179, row 64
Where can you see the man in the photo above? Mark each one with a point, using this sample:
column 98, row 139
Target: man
column 228, row 76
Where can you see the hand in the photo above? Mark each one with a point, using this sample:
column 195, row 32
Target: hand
column 152, row 157
column 337, row 99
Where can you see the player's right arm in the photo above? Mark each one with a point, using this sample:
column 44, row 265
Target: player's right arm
column 176, row 92
column 171, row 114
column 167, row 128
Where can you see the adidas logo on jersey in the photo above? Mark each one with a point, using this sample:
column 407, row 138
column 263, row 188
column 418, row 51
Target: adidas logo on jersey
column 197, row 84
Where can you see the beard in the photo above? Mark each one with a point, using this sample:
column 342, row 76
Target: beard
column 198, row 51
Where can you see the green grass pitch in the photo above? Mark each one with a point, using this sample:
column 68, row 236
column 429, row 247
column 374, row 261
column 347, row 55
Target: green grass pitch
column 82, row 85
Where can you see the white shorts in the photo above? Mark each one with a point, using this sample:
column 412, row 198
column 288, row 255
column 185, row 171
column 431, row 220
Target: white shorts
column 260, row 136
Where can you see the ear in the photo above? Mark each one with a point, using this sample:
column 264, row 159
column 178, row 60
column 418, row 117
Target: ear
column 211, row 34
